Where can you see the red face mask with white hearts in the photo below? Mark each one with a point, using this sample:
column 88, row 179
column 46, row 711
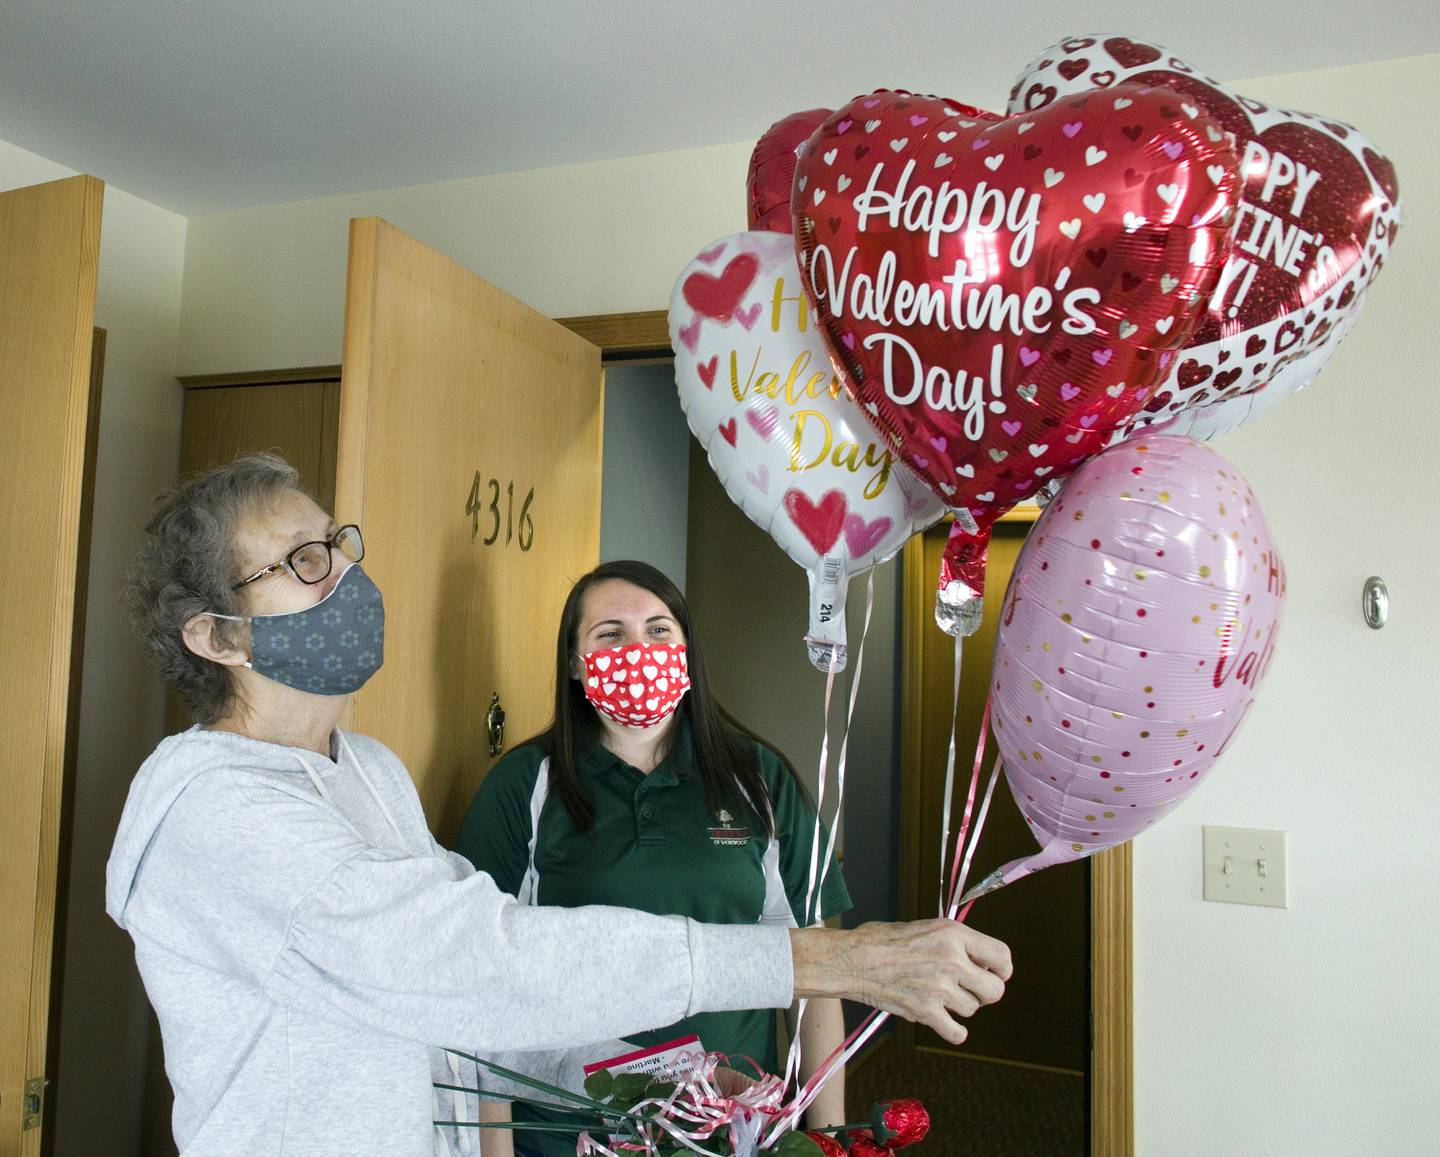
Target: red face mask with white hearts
column 639, row 685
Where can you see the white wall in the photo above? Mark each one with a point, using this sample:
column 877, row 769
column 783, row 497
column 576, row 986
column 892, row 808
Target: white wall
column 1316, row 1030
column 102, row 1036
column 1311, row 1030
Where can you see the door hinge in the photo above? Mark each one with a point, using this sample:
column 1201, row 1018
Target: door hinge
column 34, row 1107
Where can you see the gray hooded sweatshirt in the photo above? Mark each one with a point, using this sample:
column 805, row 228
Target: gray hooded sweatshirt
column 306, row 943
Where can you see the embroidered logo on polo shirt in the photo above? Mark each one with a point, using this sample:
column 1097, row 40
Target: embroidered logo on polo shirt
column 725, row 833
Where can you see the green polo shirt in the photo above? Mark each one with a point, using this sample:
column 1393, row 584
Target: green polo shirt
column 655, row 846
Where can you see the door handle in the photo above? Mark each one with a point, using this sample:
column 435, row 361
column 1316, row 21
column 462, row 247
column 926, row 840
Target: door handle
column 495, row 724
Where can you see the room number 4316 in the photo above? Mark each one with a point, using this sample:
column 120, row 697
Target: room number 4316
column 483, row 505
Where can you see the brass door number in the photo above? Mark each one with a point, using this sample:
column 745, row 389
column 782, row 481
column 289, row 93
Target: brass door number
column 495, row 724
column 520, row 530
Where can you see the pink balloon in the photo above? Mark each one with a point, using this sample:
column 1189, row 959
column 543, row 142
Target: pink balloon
column 1140, row 620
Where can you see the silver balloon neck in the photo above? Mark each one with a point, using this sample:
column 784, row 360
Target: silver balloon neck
column 959, row 609
column 826, row 657
column 990, row 883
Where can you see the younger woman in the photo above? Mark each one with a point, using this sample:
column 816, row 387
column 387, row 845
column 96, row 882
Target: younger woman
column 644, row 792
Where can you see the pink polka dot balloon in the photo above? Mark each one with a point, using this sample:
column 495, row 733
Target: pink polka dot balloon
column 1139, row 622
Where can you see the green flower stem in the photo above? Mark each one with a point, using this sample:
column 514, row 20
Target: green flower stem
column 540, row 1125
column 512, row 1097
column 531, row 1083
column 841, row 1128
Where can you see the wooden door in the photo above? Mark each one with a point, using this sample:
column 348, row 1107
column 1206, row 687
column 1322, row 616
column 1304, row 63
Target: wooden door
column 470, row 435
column 228, row 415
column 49, row 255
column 1043, row 1019
column 299, row 420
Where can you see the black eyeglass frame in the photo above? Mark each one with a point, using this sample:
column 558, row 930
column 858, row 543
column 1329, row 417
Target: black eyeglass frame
column 286, row 564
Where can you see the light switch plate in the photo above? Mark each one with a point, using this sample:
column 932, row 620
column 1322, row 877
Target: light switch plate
column 1245, row 866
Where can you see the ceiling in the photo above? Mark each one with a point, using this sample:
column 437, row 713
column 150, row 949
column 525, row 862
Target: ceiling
column 201, row 106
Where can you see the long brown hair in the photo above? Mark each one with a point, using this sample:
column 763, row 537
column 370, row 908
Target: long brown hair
column 726, row 757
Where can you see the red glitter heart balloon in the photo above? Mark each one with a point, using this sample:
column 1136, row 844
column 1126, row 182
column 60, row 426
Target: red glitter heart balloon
column 1319, row 211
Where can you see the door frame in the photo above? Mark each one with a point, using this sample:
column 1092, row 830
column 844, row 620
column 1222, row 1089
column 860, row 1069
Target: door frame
column 625, row 336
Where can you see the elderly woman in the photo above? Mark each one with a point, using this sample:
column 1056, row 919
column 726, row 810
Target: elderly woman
column 304, row 940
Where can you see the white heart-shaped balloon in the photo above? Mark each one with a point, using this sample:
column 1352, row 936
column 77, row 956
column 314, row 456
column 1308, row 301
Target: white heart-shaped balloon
column 789, row 445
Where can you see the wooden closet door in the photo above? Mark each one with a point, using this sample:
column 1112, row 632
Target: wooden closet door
column 296, row 420
column 49, row 255
column 470, row 438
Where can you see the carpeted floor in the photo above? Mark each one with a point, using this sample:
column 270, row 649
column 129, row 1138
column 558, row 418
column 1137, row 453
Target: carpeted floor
column 977, row 1108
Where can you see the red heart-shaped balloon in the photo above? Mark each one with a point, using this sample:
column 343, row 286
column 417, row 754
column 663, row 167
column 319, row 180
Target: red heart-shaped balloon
column 1331, row 214
column 1318, row 213
column 772, row 169
column 1000, row 294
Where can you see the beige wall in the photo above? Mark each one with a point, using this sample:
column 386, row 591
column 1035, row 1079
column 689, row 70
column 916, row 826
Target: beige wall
column 102, row 1037
column 267, row 286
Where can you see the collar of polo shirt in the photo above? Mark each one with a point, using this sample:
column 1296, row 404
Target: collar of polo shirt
column 680, row 758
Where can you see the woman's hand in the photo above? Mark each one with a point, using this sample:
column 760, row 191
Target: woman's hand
column 928, row 971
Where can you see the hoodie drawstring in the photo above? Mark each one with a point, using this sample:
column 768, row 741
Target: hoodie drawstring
column 365, row 779
column 375, row 795
column 316, row 780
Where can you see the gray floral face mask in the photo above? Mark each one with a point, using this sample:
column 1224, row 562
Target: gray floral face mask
column 331, row 648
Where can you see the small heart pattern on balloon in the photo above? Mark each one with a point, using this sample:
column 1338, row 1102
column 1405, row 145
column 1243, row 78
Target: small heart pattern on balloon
column 1001, row 294
column 718, row 295
column 1320, row 209
column 1141, row 619
column 790, row 446
column 1209, row 418
column 820, row 522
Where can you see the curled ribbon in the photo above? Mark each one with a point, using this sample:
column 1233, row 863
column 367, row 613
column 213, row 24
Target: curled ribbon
column 695, row 1111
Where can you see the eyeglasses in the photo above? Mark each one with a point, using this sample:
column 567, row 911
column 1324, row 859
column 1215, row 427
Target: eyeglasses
column 310, row 561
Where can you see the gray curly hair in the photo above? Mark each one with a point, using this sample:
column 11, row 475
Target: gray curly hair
column 187, row 565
